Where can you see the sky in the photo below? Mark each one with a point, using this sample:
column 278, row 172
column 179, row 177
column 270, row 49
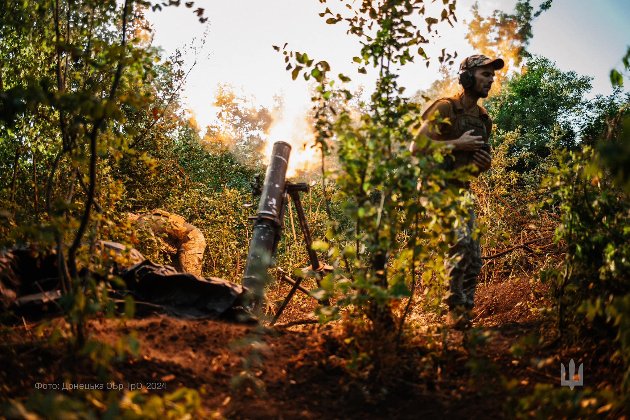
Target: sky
column 586, row 36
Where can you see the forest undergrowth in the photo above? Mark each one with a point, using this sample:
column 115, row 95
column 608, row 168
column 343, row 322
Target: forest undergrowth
column 96, row 131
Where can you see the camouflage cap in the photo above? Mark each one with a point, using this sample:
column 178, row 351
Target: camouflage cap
column 479, row 60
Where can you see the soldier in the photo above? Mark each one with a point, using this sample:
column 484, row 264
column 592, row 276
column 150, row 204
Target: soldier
column 183, row 241
column 466, row 131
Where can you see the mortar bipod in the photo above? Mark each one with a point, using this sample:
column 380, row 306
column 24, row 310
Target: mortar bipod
column 293, row 190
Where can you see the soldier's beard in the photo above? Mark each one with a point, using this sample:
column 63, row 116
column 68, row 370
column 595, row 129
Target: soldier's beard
column 476, row 93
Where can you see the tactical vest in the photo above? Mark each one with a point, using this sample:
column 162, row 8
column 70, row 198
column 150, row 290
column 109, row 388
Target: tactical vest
column 460, row 123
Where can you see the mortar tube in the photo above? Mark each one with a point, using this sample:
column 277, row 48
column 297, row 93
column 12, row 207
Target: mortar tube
column 267, row 225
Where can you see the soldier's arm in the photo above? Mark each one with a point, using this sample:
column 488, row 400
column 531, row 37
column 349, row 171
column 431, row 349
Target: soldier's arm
column 482, row 158
column 430, row 129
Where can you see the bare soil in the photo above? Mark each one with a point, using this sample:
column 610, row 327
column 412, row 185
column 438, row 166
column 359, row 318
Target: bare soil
column 304, row 371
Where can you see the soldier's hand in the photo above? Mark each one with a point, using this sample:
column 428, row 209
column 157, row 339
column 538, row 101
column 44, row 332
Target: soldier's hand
column 482, row 159
column 468, row 142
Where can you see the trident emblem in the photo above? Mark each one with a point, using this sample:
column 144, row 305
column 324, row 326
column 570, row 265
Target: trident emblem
column 570, row 381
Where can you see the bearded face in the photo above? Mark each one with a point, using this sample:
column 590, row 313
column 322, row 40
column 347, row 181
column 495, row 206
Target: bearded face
column 484, row 77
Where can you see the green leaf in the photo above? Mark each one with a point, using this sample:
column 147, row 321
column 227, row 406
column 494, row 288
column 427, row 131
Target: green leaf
column 320, row 246
column 626, row 60
column 130, row 307
column 325, row 12
column 349, row 251
column 430, row 22
column 296, row 72
column 133, row 345
column 319, row 294
column 616, row 78
column 317, row 74
column 344, row 78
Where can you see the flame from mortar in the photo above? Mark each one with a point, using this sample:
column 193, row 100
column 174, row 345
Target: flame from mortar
column 291, row 124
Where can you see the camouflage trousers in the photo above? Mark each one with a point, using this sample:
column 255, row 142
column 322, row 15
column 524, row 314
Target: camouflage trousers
column 463, row 264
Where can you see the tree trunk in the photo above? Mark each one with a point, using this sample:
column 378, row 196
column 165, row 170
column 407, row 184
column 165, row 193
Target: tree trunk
column 35, row 189
column 16, row 168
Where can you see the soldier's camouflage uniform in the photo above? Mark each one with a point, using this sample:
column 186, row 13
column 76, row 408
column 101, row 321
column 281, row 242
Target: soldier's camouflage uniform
column 464, row 258
column 463, row 264
column 182, row 240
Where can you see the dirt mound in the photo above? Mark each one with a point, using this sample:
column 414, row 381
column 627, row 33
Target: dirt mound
column 510, row 301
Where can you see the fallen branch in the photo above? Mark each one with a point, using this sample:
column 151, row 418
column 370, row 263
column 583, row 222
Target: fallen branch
column 514, row 248
column 298, row 322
